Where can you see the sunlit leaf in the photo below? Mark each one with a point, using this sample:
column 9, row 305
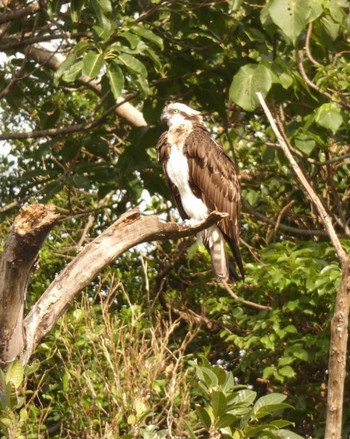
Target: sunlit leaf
column 329, row 116
column 116, row 79
column 249, row 80
column 92, row 64
column 15, row 374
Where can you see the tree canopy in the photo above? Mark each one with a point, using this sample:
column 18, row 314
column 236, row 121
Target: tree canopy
column 82, row 87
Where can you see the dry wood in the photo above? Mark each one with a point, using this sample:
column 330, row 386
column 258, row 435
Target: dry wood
column 16, row 262
column 339, row 323
column 129, row 230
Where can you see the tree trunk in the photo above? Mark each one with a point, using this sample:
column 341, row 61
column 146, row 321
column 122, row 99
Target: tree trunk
column 16, row 263
column 337, row 356
column 19, row 337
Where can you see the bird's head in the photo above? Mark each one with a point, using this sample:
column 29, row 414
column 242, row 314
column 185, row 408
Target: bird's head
column 177, row 114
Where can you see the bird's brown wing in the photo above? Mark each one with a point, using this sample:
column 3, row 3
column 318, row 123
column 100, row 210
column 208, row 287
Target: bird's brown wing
column 214, row 179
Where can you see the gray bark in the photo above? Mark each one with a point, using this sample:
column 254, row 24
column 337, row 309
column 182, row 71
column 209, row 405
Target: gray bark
column 16, row 263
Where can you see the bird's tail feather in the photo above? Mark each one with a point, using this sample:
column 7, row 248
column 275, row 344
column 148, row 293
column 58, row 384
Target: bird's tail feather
column 215, row 244
column 236, row 254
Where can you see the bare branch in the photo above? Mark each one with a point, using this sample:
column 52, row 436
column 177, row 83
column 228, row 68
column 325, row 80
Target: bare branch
column 16, row 262
column 307, row 46
column 129, row 230
column 284, row 227
column 54, row 132
column 307, row 187
column 339, row 323
column 243, row 301
column 19, row 13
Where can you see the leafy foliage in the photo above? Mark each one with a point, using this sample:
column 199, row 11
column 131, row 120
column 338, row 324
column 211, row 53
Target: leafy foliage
column 233, row 410
column 84, row 157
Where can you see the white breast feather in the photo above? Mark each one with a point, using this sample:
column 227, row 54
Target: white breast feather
column 178, row 172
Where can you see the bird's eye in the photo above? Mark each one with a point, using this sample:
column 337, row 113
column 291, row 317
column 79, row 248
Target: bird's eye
column 174, row 111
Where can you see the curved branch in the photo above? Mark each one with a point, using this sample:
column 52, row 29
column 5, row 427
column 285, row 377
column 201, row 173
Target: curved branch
column 129, row 230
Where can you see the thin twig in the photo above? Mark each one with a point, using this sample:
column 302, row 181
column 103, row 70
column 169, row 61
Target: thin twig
column 307, row 46
column 54, row 132
column 243, row 301
column 281, row 213
column 325, row 218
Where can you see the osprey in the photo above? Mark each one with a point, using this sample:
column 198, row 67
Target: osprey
column 202, row 178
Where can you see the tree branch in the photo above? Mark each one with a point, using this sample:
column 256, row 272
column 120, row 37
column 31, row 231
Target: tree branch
column 16, row 262
column 129, row 230
column 339, row 323
column 311, row 194
column 54, row 132
column 284, row 227
column 53, row 61
column 19, row 13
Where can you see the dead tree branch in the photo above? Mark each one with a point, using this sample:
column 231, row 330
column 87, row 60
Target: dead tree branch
column 16, row 263
column 339, row 323
column 129, row 230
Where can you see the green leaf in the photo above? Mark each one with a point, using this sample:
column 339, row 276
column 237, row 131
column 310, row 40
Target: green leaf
column 143, row 86
column 329, row 116
column 92, row 64
column 149, row 35
column 73, row 72
column 287, row 434
column 244, row 398
column 133, row 64
column 305, row 143
column 116, row 79
column 287, row 371
column 105, row 5
column 102, row 32
column 75, row 9
column 291, row 16
column 131, row 38
column 203, row 417
column 331, row 27
column 207, row 376
column 225, row 420
column 218, row 403
column 250, row 79
column 271, row 398
column 81, row 47
column 65, row 65
column 15, row 374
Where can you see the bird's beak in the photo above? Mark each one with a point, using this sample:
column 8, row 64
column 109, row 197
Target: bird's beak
column 164, row 116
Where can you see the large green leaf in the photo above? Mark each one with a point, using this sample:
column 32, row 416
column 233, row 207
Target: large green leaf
column 291, row 16
column 218, row 403
column 133, row 64
column 148, row 35
column 250, row 79
column 116, row 78
column 329, row 116
column 272, row 398
column 15, row 374
column 92, row 64
column 203, row 416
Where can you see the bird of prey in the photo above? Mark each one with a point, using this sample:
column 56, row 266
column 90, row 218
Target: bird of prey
column 201, row 178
